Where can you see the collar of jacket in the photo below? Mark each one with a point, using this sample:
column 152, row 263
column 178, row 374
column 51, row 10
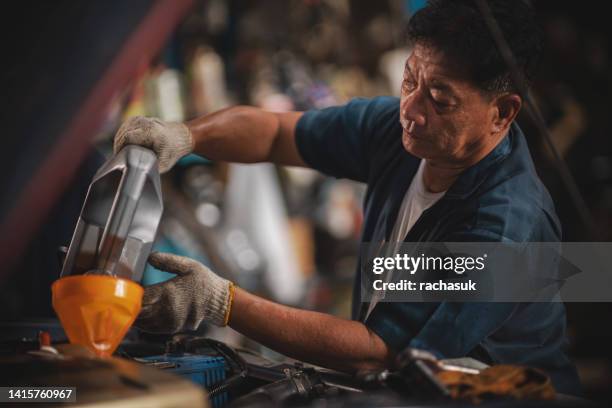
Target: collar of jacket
column 474, row 176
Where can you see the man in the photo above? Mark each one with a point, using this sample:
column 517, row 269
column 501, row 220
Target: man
column 444, row 163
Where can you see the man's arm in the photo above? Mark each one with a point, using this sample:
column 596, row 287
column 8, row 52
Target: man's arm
column 198, row 295
column 247, row 134
column 337, row 141
column 318, row 338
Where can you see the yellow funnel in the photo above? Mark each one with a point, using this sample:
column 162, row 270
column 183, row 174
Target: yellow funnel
column 96, row 310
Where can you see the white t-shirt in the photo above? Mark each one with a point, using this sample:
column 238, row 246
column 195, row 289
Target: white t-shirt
column 416, row 200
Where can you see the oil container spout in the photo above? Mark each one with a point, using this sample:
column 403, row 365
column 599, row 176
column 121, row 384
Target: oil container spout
column 119, row 219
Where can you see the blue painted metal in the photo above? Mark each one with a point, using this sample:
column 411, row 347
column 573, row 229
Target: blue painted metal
column 203, row 370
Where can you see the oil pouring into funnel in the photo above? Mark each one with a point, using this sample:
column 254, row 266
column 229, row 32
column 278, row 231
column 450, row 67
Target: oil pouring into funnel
column 98, row 295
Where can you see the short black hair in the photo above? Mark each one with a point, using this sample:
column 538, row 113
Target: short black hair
column 457, row 28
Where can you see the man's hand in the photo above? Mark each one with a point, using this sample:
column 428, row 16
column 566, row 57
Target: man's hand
column 195, row 295
column 169, row 140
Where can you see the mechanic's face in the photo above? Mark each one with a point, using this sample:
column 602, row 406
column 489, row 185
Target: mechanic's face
column 445, row 118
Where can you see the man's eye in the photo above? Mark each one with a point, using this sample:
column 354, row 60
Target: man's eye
column 443, row 105
column 441, row 102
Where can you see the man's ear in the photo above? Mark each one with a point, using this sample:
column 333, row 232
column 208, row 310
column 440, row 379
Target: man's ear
column 506, row 106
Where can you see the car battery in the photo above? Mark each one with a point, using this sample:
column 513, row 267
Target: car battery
column 200, row 369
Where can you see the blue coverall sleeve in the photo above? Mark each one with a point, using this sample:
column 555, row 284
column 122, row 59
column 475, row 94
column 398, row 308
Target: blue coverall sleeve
column 339, row 141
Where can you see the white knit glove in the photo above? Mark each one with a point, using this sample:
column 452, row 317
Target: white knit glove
column 195, row 295
column 169, row 140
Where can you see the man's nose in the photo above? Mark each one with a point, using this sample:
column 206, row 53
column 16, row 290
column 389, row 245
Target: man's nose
column 411, row 108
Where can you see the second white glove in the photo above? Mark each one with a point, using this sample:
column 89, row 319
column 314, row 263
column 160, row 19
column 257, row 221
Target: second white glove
column 195, row 295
